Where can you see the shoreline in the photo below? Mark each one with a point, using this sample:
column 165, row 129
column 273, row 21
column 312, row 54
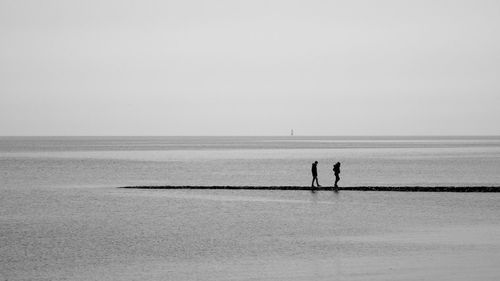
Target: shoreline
column 329, row 188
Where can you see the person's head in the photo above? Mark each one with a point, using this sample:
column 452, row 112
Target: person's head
column 316, row 162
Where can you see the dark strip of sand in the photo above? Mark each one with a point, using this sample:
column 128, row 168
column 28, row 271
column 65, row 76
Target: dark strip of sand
column 327, row 188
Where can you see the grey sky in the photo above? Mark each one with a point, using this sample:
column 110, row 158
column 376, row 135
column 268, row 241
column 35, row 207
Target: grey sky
column 249, row 67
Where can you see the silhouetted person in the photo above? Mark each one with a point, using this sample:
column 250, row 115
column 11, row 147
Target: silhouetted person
column 314, row 171
column 336, row 172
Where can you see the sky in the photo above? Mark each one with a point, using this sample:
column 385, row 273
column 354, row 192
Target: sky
column 229, row 67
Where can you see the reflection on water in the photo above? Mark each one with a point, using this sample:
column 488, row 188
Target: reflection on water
column 110, row 234
column 53, row 226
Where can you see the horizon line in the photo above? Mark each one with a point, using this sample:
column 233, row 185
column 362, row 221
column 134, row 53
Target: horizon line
column 281, row 135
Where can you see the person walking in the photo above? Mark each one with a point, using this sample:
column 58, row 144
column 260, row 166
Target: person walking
column 336, row 172
column 314, row 171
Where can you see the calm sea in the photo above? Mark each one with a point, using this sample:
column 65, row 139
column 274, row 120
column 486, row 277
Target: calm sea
column 62, row 217
column 115, row 161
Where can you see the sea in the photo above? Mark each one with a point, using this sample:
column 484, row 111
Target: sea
column 64, row 217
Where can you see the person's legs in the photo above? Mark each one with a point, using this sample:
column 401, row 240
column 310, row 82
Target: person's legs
column 315, row 178
column 337, row 178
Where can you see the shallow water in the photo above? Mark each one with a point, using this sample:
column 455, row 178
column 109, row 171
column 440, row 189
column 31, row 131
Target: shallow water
column 61, row 217
column 116, row 234
column 107, row 161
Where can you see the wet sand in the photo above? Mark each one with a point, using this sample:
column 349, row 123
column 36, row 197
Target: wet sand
column 329, row 188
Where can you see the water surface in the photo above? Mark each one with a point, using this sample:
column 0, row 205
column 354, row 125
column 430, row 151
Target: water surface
column 62, row 217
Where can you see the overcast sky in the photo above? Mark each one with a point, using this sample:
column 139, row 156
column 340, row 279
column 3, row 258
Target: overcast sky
column 115, row 67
